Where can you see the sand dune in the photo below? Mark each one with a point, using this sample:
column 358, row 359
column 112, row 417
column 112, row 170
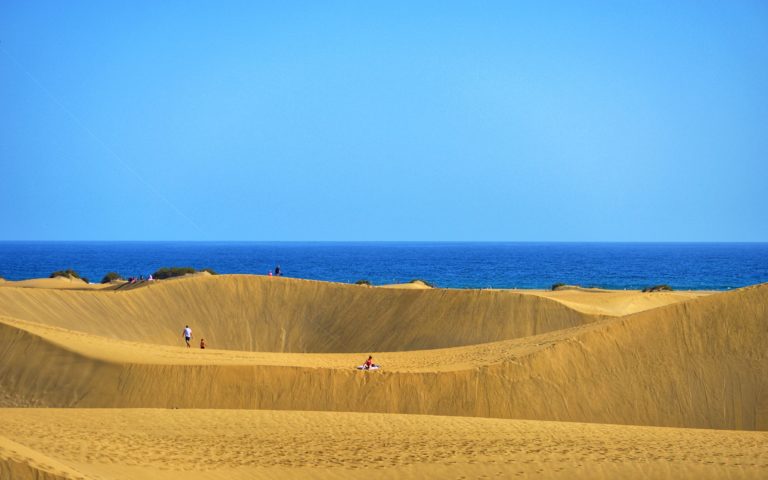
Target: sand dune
column 250, row 313
column 61, row 283
column 697, row 363
column 678, row 359
column 612, row 302
column 414, row 285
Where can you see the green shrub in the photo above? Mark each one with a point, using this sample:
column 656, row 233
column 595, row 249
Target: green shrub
column 69, row 273
column 658, row 288
column 111, row 276
column 169, row 272
column 363, row 282
column 557, row 286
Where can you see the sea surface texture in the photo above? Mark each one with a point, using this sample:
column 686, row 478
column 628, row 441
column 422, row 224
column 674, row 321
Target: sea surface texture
column 695, row 266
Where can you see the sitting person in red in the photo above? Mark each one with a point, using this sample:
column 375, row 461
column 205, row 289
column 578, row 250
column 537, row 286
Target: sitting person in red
column 368, row 363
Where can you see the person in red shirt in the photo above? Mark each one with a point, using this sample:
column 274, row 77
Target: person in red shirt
column 202, row 343
column 368, row 363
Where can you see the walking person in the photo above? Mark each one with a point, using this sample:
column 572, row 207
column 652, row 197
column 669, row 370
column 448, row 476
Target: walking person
column 187, row 335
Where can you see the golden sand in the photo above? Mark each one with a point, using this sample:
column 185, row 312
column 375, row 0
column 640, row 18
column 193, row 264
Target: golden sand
column 56, row 282
column 151, row 443
column 474, row 382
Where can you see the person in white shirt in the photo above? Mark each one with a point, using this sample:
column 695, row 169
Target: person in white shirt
column 187, row 335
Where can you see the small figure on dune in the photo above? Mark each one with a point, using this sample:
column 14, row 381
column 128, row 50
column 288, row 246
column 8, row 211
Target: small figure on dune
column 277, row 271
column 187, row 335
column 368, row 365
column 202, row 343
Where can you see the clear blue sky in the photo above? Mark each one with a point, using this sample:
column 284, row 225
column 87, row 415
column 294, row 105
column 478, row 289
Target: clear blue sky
column 563, row 121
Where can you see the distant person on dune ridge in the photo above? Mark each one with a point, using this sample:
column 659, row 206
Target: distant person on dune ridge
column 277, row 271
column 202, row 343
column 187, row 335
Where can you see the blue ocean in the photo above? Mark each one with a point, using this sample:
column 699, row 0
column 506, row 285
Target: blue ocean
column 696, row 266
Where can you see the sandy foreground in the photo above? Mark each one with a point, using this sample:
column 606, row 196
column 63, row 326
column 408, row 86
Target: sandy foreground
column 151, row 443
column 475, row 383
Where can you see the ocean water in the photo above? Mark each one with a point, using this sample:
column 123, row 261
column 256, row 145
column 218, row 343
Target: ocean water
column 718, row 266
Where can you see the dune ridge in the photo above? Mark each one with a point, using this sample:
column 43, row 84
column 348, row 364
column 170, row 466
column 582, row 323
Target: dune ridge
column 20, row 462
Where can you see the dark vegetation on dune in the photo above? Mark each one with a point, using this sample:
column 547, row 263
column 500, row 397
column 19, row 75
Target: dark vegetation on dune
column 170, row 272
column 658, row 288
column 68, row 273
column 111, row 276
